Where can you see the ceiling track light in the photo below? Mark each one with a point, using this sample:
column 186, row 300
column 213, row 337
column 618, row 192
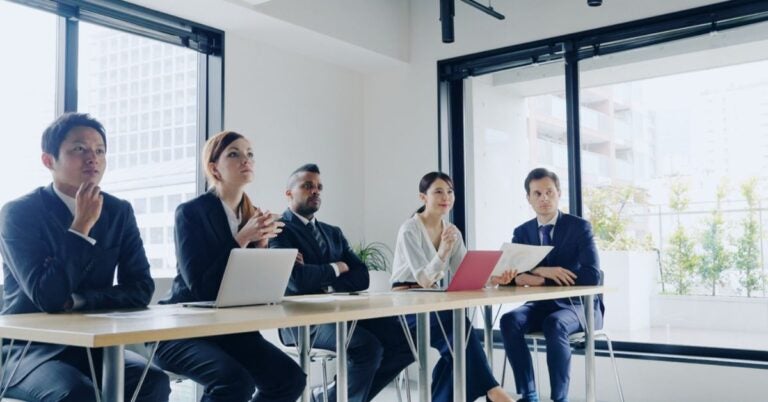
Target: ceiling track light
column 447, row 12
column 446, row 20
column 595, row 3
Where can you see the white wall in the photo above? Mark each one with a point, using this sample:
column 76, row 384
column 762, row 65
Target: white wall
column 296, row 110
column 381, row 26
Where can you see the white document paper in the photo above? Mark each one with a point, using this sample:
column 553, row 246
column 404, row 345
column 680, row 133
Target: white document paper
column 150, row 313
column 522, row 257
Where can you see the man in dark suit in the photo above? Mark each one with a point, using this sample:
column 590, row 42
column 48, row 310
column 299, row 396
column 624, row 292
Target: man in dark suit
column 377, row 350
column 572, row 261
column 61, row 246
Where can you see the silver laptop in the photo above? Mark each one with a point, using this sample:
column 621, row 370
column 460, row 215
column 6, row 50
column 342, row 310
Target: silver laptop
column 253, row 276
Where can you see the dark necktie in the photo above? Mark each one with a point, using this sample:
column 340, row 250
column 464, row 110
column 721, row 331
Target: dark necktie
column 546, row 238
column 318, row 237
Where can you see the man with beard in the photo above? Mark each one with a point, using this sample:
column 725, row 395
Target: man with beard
column 377, row 350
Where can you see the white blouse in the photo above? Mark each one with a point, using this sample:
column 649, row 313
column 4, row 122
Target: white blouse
column 416, row 258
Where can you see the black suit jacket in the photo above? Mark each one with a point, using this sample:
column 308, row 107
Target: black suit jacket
column 44, row 263
column 574, row 249
column 203, row 243
column 316, row 274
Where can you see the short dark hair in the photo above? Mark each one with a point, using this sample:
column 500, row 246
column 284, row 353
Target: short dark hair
column 57, row 131
column 538, row 174
column 307, row 167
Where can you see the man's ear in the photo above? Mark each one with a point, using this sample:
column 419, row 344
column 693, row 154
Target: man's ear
column 288, row 194
column 48, row 160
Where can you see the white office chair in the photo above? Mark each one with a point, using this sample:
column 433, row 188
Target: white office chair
column 576, row 338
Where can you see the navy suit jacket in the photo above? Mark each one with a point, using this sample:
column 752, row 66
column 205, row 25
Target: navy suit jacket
column 574, row 249
column 203, row 243
column 316, row 274
column 44, row 264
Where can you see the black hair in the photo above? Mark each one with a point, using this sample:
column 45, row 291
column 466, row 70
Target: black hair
column 538, row 174
column 57, row 131
column 307, row 167
column 426, row 182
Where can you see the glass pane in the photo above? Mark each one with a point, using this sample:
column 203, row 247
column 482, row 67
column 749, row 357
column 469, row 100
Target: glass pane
column 674, row 160
column 139, row 88
column 517, row 124
column 27, row 98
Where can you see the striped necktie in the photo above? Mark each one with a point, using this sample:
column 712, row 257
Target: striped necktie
column 318, row 237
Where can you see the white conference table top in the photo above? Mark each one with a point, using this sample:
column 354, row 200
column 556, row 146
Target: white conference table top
column 158, row 323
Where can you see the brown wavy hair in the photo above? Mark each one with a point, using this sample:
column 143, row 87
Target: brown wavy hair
column 212, row 150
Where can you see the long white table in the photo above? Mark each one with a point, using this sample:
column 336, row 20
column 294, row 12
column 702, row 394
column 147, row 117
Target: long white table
column 159, row 323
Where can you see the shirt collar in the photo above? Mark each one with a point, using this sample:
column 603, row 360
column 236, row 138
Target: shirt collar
column 304, row 220
column 551, row 222
column 232, row 218
column 67, row 200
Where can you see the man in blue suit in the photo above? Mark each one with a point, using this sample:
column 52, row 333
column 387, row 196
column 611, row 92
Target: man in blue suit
column 572, row 261
column 61, row 246
column 377, row 350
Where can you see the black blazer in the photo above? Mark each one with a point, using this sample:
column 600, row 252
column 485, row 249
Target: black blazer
column 317, row 274
column 574, row 249
column 44, row 263
column 203, row 242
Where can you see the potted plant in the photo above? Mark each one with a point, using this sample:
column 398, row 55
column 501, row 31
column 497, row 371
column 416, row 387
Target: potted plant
column 375, row 255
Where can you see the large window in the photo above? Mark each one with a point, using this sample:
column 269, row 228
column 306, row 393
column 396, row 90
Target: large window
column 145, row 93
column 27, row 95
column 150, row 78
column 672, row 158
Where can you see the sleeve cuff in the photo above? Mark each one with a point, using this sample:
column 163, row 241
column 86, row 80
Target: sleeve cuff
column 335, row 269
column 78, row 301
column 84, row 237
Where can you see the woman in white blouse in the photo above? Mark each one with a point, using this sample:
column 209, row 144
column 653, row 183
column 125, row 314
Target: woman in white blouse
column 427, row 248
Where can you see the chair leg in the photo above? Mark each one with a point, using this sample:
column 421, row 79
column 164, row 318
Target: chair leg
column 407, row 384
column 504, row 369
column 325, row 380
column 398, row 389
column 536, row 373
column 615, row 368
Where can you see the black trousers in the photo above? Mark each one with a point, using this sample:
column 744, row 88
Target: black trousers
column 377, row 353
column 234, row 367
column 67, row 378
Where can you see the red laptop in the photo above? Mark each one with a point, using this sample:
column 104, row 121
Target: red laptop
column 473, row 272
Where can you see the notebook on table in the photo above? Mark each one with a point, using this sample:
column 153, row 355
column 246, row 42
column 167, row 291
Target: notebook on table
column 253, row 276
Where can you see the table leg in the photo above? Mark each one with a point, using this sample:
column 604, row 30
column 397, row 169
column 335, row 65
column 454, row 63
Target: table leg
column 589, row 353
column 304, row 345
column 113, row 375
column 488, row 321
column 459, row 355
column 422, row 345
column 341, row 362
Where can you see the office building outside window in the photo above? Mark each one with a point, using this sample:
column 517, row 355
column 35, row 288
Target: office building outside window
column 145, row 93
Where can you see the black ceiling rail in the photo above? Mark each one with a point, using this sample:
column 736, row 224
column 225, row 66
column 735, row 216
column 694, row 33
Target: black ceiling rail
column 614, row 38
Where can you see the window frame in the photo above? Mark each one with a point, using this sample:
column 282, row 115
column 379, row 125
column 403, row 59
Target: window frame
column 571, row 49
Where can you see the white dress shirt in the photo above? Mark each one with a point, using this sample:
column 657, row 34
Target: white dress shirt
column 416, row 259
column 71, row 204
column 552, row 222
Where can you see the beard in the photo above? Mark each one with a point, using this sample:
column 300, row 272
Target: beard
column 306, row 210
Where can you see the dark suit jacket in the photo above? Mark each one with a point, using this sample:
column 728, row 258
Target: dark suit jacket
column 203, row 243
column 317, row 274
column 44, row 263
column 574, row 249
